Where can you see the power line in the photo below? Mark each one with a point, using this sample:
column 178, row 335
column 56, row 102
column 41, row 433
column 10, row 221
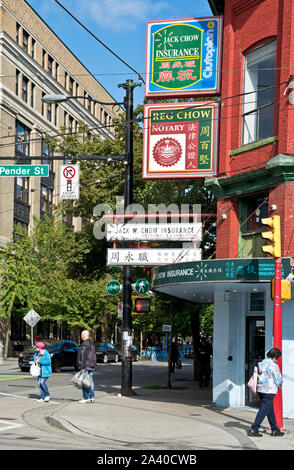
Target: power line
column 97, row 39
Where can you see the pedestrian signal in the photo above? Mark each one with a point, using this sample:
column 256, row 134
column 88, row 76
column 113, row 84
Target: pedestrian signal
column 274, row 235
column 142, row 305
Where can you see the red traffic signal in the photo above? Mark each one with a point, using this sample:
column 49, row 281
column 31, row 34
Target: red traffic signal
column 142, row 305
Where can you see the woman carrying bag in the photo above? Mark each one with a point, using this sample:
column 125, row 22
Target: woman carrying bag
column 43, row 359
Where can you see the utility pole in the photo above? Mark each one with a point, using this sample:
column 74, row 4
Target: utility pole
column 126, row 379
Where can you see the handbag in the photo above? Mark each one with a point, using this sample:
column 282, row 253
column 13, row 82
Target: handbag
column 35, row 369
column 252, row 384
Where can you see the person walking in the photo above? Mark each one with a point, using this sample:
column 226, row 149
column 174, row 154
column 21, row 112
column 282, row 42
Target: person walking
column 86, row 360
column 269, row 380
column 43, row 359
column 204, row 355
column 175, row 356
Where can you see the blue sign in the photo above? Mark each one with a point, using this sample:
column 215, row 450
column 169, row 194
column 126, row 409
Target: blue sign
column 183, row 57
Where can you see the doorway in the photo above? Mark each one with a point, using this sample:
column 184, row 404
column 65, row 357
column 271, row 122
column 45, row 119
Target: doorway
column 255, row 350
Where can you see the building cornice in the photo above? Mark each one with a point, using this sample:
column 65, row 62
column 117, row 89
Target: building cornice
column 278, row 170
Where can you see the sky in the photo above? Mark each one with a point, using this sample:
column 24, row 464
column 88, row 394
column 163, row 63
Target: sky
column 121, row 25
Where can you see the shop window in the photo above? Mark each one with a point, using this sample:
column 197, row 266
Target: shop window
column 256, row 301
column 258, row 103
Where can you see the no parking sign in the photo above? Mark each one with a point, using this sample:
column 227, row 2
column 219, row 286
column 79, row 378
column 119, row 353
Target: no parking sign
column 69, row 182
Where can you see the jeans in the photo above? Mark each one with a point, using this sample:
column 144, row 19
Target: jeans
column 266, row 409
column 88, row 393
column 43, row 387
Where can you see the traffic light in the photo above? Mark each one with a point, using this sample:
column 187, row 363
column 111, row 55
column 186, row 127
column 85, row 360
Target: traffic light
column 285, row 290
column 142, row 305
column 274, row 235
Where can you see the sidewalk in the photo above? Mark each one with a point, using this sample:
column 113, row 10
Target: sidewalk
column 180, row 418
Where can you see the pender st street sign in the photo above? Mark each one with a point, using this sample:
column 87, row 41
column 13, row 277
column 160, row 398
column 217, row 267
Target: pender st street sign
column 183, row 57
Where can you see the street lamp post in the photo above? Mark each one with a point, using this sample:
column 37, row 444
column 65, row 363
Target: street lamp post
column 126, row 377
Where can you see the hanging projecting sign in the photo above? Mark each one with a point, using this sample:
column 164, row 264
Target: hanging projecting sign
column 151, row 232
column 69, row 182
column 183, row 57
column 152, row 256
column 180, row 140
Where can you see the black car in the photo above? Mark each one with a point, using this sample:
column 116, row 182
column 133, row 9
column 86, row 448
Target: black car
column 63, row 354
column 135, row 352
column 105, row 352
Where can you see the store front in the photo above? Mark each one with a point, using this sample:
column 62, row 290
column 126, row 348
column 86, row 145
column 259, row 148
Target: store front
column 239, row 289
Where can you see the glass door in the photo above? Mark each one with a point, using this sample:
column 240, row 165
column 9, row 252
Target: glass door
column 255, row 350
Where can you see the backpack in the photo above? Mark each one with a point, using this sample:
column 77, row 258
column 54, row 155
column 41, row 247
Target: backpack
column 252, row 384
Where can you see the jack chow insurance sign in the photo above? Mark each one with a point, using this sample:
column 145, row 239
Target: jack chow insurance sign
column 180, row 140
column 183, row 57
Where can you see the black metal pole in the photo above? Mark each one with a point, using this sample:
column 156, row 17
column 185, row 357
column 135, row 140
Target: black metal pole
column 126, row 382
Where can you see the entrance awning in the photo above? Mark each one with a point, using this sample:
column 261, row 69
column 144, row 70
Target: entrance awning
column 196, row 281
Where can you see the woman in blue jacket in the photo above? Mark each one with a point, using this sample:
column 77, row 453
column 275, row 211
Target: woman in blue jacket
column 43, row 358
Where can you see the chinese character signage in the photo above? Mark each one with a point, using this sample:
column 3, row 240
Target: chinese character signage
column 219, row 270
column 183, row 57
column 151, row 257
column 180, row 140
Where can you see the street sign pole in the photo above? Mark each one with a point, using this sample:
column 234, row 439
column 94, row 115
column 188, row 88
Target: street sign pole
column 126, row 382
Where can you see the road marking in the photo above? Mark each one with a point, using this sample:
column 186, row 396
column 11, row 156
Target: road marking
column 13, row 377
column 10, row 425
column 27, row 398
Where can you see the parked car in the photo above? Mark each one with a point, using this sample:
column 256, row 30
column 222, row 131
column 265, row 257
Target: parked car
column 105, row 352
column 187, row 350
column 135, row 352
column 63, row 354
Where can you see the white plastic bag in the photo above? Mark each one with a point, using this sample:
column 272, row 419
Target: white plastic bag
column 252, row 384
column 77, row 378
column 35, row 369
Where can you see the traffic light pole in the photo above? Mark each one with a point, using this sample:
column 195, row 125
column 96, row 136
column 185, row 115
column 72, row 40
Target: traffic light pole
column 277, row 335
column 126, row 378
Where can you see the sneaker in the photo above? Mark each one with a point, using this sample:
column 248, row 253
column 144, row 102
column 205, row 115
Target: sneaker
column 84, row 401
column 92, row 400
column 277, row 433
column 40, row 400
column 253, row 433
column 47, row 399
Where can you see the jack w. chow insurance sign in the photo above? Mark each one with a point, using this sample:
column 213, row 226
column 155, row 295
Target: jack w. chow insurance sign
column 183, row 57
column 180, row 140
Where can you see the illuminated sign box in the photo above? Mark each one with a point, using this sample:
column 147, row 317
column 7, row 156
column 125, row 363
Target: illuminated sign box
column 180, row 140
column 183, row 57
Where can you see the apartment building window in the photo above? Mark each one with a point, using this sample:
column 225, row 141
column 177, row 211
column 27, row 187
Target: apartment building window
column 22, row 190
column 24, row 88
column 43, row 104
column 47, row 152
column 43, row 58
column 258, row 103
column 32, row 95
column 46, row 200
column 50, row 65
column 56, row 71
column 25, row 41
column 33, row 50
column 71, row 85
column 65, row 119
column 56, row 114
column 17, row 32
column 70, row 124
column 49, row 111
column 17, row 77
column 22, row 140
column 65, row 79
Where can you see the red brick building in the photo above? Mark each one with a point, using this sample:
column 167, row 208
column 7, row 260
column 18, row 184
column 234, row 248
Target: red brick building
column 256, row 150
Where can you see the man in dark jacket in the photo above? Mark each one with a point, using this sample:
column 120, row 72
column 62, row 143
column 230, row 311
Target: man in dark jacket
column 86, row 360
column 204, row 354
